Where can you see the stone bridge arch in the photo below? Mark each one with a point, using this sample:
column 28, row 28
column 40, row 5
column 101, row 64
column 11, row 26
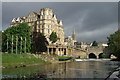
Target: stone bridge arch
column 92, row 55
column 96, row 50
column 100, row 55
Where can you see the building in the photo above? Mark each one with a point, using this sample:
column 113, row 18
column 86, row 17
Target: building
column 44, row 22
column 74, row 35
column 71, row 40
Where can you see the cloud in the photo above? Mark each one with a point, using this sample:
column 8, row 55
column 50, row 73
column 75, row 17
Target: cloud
column 98, row 34
column 90, row 19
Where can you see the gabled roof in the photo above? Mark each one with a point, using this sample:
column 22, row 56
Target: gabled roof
column 35, row 13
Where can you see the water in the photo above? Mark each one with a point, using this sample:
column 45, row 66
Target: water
column 83, row 69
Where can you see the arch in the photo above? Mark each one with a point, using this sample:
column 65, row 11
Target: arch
column 112, row 56
column 101, row 55
column 92, row 55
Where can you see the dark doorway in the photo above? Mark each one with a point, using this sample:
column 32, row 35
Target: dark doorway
column 92, row 55
column 54, row 51
column 64, row 51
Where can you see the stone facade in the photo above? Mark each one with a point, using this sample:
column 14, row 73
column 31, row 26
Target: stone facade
column 44, row 22
column 71, row 40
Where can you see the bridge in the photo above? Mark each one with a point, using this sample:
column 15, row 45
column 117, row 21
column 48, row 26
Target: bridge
column 95, row 52
column 92, row 52
column 89, row 52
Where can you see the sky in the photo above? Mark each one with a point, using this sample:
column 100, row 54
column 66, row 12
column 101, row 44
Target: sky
column 91, row 20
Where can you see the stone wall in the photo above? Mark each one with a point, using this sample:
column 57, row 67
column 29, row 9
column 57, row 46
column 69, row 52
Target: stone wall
column 80, row 53
column 95, row 50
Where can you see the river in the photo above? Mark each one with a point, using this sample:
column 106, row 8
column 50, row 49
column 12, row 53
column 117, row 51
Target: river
column 82, row 69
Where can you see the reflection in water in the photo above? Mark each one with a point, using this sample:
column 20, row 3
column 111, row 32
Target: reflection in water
column 84, row 69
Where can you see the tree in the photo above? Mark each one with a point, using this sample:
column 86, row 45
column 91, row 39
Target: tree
column 114, row 43
column 39, row 43
column 21, row 30
column 94, row 43
column 4, row 42
column 53, row 37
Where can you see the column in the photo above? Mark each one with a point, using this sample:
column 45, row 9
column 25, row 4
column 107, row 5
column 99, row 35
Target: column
column 48, row 50
column 97, row 56
column 57, row 51
column 61, row 51
column 51, row 50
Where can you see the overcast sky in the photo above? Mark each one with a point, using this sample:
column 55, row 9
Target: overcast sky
column 92, row 20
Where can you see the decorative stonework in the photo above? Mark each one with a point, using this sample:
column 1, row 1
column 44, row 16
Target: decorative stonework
column 45, row 22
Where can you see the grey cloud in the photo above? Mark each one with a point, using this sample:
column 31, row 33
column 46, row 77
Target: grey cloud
column 93, row 35
column 84, row 16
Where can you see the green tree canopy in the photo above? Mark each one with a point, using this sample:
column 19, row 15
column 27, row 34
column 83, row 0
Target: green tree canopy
column 94, row 43
column 21, row 31
column 114, row 43
column 39, row 43
column 53, row 37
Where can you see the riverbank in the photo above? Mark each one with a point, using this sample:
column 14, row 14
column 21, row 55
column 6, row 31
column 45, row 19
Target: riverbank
column 20, row 60
column 52, row 58
column 24, row 60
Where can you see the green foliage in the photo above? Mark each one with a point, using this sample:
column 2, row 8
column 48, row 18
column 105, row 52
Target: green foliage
column 39, row 43
column 94, row 43
column 21, row 30
column 102, row 55
column 53, row 37
column 4, row 42
column 114, row 43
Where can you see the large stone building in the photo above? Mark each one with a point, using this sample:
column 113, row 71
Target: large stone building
column 44, row 22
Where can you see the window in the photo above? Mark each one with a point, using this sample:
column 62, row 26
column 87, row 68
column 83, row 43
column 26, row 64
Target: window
column 42, row 26
column 45, row 17
column 42, row 30
column 48, row 31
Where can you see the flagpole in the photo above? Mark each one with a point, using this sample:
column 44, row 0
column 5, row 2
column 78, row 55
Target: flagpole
column 12, row 43
column 16, row 43
column 25, row 44
column 7, row 43
column 21, row 46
